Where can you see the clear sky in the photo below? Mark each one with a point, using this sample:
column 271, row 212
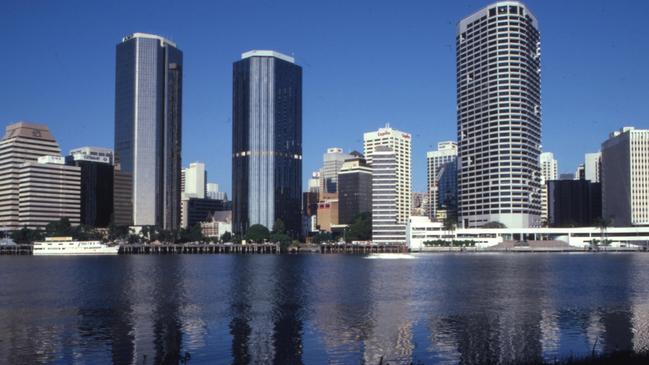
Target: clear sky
column 365, row 63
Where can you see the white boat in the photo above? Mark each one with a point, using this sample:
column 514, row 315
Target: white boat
column 65, row 246
column 390, row 256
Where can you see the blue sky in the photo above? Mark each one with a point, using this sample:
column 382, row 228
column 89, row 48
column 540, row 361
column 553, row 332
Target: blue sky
column 365, row 63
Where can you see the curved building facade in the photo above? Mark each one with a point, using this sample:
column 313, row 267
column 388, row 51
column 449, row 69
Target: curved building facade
column 499, row 116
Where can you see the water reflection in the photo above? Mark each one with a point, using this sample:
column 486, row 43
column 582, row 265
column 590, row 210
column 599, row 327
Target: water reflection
column 321, row 309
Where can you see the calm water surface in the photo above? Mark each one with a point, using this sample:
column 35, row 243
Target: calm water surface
column 321, row 309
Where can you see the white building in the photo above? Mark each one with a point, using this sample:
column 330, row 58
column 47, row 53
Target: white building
column 333, row 161
column 499, row 116
column 421, row 230
column 400, row 143
column 314, row 182
column 442, row 169
column 48, row 191
column 213, row 192
column 549, row 171
column 21, row 143
column 592, row 166
column 625, row 177
column 386, row 228
column 195, row 179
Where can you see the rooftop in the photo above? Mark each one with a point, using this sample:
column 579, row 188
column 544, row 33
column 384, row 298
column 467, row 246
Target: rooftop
column 148, row 36
column 267, row 53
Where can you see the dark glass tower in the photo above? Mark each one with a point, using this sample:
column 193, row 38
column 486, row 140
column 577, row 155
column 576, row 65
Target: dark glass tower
column 148, row 99
column 266, row 141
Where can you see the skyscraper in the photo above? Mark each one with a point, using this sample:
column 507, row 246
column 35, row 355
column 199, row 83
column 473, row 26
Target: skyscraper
column 148, row 99
column 266, row 141
column 592, row 166
column 625, row 177
column 386, row 228
column 442, row 180
column 400, row 144
column 549, row 172
column 499, row 116
column 332, row 163
column 22, row 142
column 195, row 180
column 354, row 189
column 97, row 177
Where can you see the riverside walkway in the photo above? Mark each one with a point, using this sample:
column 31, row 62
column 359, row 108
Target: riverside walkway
column 199, row 248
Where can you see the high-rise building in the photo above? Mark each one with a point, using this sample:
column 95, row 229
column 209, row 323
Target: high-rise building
column 580, row 172
column 574, row 203
column 197, row 210
column 625, row 177
column 386, row 227
column 148, row 95
column 332, row 163
column 354, row 189
column 266, row 141
column 400, row 144
column 49, row 190
column 499, row 116
column 195, row 178
column 592, row 166
column 97, row 176
column 442, row 180
column 22, row 142
column 549, row 172
column 213, row 192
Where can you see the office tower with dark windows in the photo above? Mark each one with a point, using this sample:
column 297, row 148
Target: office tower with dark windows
column 148, row 99
column 442, row 181
column 574, row 203
column 266, row 141
column 499, row 116
column 22, row 142
column 332, row 162
column 97, row 175
column 354, row 189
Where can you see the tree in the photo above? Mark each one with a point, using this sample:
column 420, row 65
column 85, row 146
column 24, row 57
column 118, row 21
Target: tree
column 60, row 228
column 116, row 232
column 322, row 237
column 26, row 235
column 603, row 224
column 360, row 229
column 278, row 226
column 257, row 233
column 226, row 237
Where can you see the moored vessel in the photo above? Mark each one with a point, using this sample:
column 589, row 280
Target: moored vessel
column 65, row 246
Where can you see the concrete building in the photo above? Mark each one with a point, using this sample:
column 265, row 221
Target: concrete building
column 354, row 189
column 22, row 142
column 386, row 227
column 580, row 172
column 499, row 116
column 148, row 123
column 625, row 177
column 574, row 203
column 48, row 191
column 421, row 229
column 213, row 192
column 327, row 215
column 592, row 166
column 549, row 171
column 195, row 178
column 333, row 161
column 197, row 210
column 442, row 180
column 97, row 177
column 267, row 141
column 400, row 144
column 214, row 228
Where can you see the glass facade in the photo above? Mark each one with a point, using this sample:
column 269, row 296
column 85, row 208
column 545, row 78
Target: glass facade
column 96, row 193
column 267, row 143
column 148, row 91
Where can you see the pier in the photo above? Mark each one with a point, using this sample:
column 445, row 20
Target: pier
column 362, row 248
column 199, row 248
column 23, row 249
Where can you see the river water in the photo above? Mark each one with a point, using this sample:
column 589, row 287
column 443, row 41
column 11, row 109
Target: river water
column 321, row 309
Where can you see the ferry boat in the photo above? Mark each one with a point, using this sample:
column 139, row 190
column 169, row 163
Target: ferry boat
column 63, row 246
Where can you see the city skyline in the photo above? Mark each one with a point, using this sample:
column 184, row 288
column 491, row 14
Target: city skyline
column 596, row 106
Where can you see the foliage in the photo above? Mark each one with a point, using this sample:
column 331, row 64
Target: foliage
column 360, row 229
column 322, row 237
column 282, row 238
column 450, row 224
column 60, row 228
column 26, row 235
column 195, row 234
column 226, row 237
column 279, row 227
column 117, row 233
column 257, row 233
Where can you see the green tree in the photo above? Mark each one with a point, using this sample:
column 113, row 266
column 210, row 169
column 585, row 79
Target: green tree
column 278, row 226
column 226, row 237
column 26, row 235
column 60, row 228
column 322, row 237
column 257, row 233
column 360, row 229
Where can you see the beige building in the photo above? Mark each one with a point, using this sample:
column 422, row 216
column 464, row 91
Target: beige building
column 327, row 214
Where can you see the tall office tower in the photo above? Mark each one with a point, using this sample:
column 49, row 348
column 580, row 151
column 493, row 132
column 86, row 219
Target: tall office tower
column 97, row 175
column 266, row 141
column 148, row 99
column 386, row 228
column 499, row 116
column 592, row 166
column 400, row 143
column 574, row 203
column 213, row 192
column 332, row 162
column 195, row 180
column 442, row 180
column 354, row 189
column 22, row 142
column 625, row 177
column 49, row 190
column 549, row 172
